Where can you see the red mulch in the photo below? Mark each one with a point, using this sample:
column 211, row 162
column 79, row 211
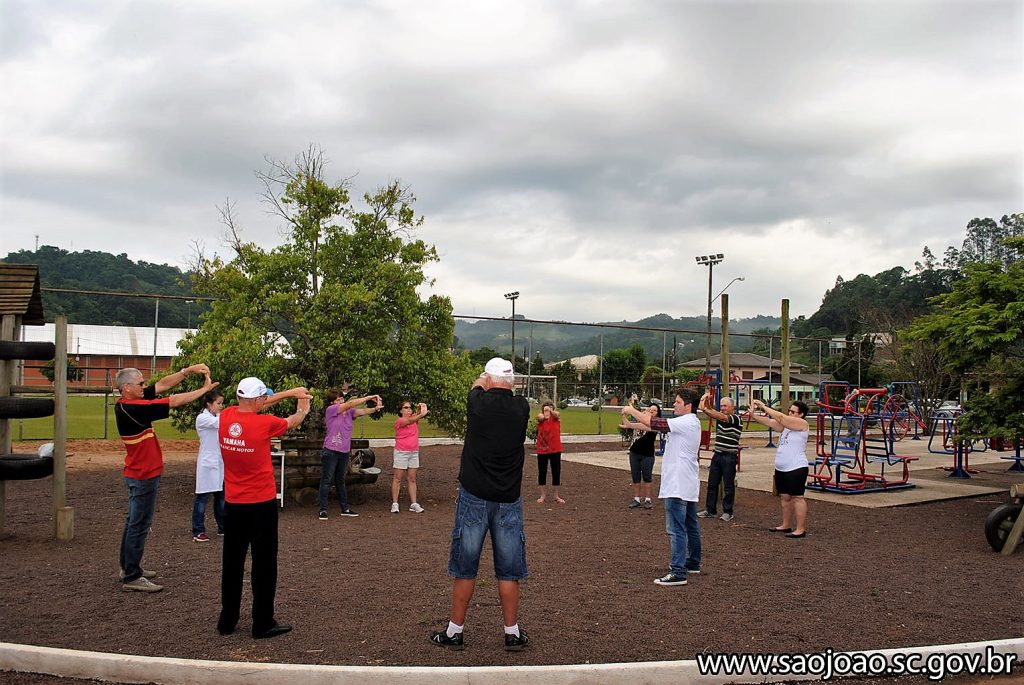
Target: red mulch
column 367, row 591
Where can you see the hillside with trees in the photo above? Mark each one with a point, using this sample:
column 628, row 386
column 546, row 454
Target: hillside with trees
column 102, row 271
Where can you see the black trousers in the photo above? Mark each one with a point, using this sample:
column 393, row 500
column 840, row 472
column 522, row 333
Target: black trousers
column 723, row 470
column 555, row 459
column 245, row 526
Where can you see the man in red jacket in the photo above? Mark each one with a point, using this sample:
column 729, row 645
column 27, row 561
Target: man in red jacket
column 134, row 413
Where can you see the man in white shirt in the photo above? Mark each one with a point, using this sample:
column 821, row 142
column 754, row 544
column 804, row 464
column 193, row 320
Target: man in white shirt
column 680, row 481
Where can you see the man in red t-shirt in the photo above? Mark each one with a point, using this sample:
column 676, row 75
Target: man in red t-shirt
column 134, row 413
column 250, row 503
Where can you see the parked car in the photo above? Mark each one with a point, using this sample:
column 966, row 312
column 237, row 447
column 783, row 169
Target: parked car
column 949, row 409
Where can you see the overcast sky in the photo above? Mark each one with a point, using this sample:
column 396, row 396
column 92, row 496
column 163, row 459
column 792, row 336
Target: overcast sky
column 582, row 153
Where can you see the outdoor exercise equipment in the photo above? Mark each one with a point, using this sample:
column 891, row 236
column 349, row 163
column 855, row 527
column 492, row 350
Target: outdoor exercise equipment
column 854, row 439
column 15, row 467
column 1004, row 526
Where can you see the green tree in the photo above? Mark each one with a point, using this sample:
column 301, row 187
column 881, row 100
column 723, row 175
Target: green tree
column 979, row 328
column 74, row 371
column 537, row 365
column 482, row 355
column 335, row 302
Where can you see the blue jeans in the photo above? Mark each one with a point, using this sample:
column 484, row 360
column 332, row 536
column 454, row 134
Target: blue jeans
column 683, row 528
column 141, row 507
column 474, row 517
column 333, row 469
column 199, row 511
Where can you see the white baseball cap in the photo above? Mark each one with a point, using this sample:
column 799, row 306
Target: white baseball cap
column 251, row 388
column 499, row 367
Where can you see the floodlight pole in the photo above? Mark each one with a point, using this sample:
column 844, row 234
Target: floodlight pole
column 709, row 261
column 513, row 296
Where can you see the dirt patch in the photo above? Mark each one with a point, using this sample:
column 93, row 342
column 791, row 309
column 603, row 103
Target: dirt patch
column 367, row 591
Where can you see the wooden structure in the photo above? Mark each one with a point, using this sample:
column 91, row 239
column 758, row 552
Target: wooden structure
column 21, row 304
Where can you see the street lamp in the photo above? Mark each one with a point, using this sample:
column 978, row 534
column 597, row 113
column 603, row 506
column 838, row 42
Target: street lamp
column 513, row 296
column 189, row 303
column 709, row 261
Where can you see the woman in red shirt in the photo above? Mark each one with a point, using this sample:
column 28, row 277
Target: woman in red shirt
column 549, row 450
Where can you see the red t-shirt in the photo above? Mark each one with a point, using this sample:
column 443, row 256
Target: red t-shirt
column 245, row 447
column 549, row 436
column 134, row 419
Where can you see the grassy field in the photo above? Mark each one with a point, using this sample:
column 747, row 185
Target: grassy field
column 87, row 415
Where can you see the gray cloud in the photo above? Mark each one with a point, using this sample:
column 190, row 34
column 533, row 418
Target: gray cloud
column 582, row 153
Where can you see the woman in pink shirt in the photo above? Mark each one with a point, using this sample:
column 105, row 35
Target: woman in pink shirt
column 407, row 453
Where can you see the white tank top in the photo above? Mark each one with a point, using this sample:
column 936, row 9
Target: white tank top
column 790, row 456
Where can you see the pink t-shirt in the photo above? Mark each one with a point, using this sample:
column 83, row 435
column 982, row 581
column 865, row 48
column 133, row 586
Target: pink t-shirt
column 407, row 437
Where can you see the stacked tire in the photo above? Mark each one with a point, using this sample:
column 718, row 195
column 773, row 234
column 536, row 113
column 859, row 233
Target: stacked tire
column 23, row 466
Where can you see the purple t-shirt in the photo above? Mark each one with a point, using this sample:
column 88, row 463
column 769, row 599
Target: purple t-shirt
column 339, row 428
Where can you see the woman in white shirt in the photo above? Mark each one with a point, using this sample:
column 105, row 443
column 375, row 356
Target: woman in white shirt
column 209, row 468
column 790, row 464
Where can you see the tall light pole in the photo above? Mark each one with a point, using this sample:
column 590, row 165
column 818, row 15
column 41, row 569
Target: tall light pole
column 513, row 297
column 189, row 303
column 709, row 261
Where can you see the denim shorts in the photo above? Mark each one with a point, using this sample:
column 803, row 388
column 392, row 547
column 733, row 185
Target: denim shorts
column 474, row 517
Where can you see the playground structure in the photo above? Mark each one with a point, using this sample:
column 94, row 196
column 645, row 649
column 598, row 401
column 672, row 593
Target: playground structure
column 21, row 304
column 856, row 437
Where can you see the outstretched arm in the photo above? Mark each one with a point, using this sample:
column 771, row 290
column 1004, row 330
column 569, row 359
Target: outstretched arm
column 423, row 411
column 705, row 406
column 171, row 380
column 183, row 398
column 303, row 396
column 363, row 411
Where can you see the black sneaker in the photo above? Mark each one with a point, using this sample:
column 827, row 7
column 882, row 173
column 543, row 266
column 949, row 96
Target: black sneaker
column 516, row 643
column 441, row 639
column 349, row 512
column 670, row 579
column 648, row 504
column 322, row 516
column 635, row 504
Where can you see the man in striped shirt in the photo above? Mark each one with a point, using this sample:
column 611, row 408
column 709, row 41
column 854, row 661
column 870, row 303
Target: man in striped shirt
column 723, row 461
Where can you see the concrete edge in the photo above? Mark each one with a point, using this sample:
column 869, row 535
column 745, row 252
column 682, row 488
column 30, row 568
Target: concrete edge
column 126, row 668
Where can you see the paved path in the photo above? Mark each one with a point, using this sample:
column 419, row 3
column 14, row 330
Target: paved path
column 757, row 468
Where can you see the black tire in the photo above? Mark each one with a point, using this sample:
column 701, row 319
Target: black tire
column 25, row 407
column 363, row 458
column 25, row 467
column 14, row 349
column 999, row 523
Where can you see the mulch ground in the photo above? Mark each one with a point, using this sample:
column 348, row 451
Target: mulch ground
column 368, row 590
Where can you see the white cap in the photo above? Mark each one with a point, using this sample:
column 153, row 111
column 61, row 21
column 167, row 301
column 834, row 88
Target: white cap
column 499, row 367
column 251, row 388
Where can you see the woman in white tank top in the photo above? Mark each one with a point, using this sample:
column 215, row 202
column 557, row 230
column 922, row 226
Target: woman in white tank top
column 790, row 464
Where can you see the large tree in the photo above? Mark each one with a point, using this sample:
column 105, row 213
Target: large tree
column 336, row 301
column 979, row 328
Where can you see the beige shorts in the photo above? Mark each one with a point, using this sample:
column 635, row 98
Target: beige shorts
column 407, row 460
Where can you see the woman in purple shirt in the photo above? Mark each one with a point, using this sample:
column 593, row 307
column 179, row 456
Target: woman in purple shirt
column 339, row 418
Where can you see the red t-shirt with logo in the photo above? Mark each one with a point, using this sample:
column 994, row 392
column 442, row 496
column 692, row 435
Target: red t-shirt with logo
column 134, row 419
column 245, row 447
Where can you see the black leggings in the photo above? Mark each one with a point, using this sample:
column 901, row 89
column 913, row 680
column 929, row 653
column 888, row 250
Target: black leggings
column 555, row 458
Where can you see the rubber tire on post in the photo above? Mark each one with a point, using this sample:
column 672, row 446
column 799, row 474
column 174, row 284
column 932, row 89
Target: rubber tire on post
column 25, row 407
column 363, row 458
column 999, row 523
column 25, row 467
column 16, row 349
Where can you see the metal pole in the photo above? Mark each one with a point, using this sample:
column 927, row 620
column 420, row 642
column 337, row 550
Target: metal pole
column 513, row 334
column 600, row 385
column 529, row 363
column 724, row 390
column 664, row 362
column 156, row 328
column 858, row 359
column 707, row 346
column 784, row 398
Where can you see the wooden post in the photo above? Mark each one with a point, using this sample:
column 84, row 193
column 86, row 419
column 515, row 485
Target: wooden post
column 7, row 326
column 63, row 515
column 785, row 399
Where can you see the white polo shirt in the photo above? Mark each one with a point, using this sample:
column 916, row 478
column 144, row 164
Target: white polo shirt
column 679, row 470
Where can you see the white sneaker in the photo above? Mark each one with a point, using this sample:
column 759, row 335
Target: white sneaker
column 416, row 508
column 394, row 507
column 141, row 584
